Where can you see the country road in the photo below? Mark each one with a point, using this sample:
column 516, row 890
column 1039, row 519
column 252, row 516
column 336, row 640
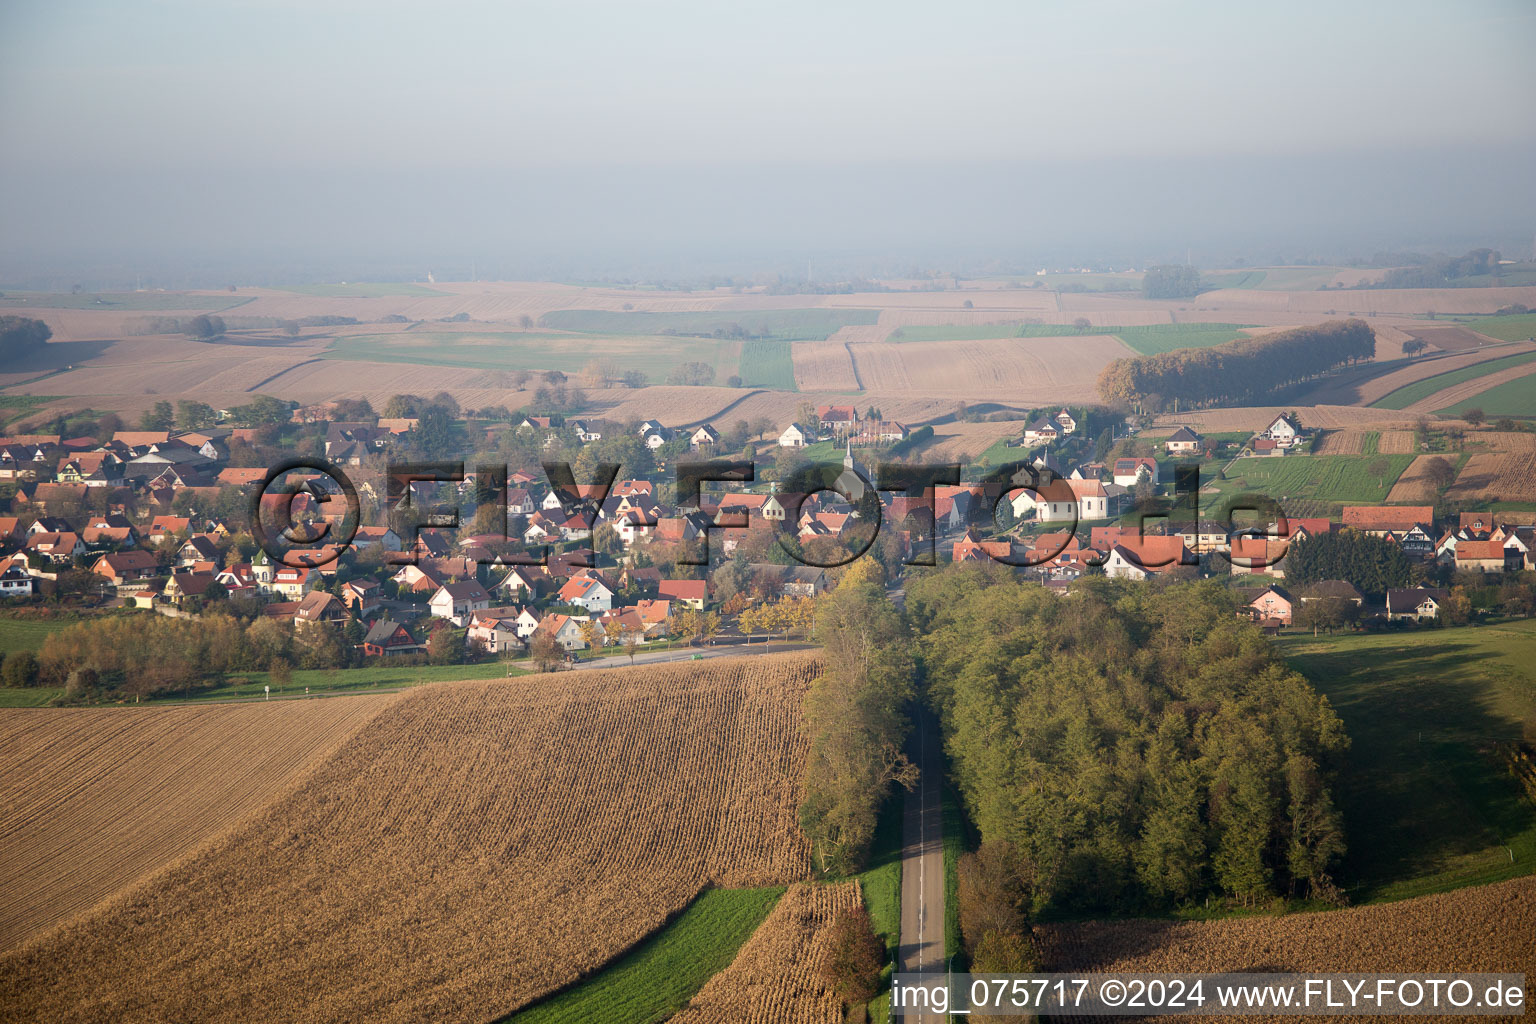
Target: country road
column 922, row 863
column 687, row 653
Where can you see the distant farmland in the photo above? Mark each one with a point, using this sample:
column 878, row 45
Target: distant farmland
column 512, row 350
column 779, row 324
column 15, row 302
column 1148, row 339
column 1326, row 478
column 364, row 290
column 768, row 364
column 1403, row 397
column 1512, row 398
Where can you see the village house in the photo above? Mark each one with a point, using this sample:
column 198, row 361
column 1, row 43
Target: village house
column 416, row 579
column 162, row 528
column 523, row 583
column 1284, row 431
column 1395, row 521
column 1183, row 442
column 184, row 585
column 362, row 597
column 585, row 592
column 317, row 608
column 1065, row 421
column 692, row 593
column 1341, row 590
column 494, row 634
column 456, row 602
column 1273, row 604
column 1137, row 557
column 1042, row 431
column 387, row 639
column 564, row 628
column 795, row 436
column 1417, row 603
column 1258, row 556
column 14, row 581
column 381, row 537
column 1131, row 471
column 57, row 548
column 704, row 437
column 838, row 419
column 520, row 502
column 126, row 567
column 1485, row 556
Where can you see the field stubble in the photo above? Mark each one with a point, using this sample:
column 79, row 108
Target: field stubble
column 470, row 849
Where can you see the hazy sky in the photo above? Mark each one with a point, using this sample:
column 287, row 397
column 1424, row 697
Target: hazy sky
column 312, row 103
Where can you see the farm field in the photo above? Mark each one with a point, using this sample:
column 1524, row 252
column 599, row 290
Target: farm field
column 94, row 799
column 767, row 364
column 1506, row 328
column 658, row 978
column 1502, row 477
column 1513, row 397
column 1405, row 397
column 29, row 697
column 774, row 979
column 515, row 351
column 1327, row 478
column 1017, row 370
column 778, row 324
column 951, row 440
column 498, row 841
column 28, row 634
column 1451, row 339
column 1147, row 340
column 824, row 366
column 1416, row 486
column 322, row 681
column 363, row 290
column 1427, row 804
column 15, row 302
column 1347, row 442
column 1488, row 928
column 1313, row 417
column 1371, row 382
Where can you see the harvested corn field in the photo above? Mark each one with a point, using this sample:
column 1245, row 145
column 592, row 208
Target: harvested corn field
column 472, row 848
column 1484, row 929
column 91, row 800
column 1503, row 477
column 824, row 366
column 1019, row 370
column 775, row 978
column 1345, row 442
column 1417, row 485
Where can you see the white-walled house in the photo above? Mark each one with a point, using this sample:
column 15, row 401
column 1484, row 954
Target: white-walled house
column 457, row 602
column 795, row 436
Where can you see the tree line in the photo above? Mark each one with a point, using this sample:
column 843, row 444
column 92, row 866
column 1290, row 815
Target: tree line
column 1239, row 372
column 1126, row 748
column 856, row 716
column 20, row 336
column 1372, row 564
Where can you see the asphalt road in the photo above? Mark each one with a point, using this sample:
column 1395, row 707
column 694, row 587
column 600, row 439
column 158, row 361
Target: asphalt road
column 687, row 653
column 922, row 863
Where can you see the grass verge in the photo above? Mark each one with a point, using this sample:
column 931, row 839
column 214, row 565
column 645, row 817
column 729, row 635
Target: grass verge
column 657, row 978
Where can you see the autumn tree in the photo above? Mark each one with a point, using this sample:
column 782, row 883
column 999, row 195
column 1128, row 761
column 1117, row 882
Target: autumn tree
column 855, row 957
column 856, row 717
column 545, row 650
